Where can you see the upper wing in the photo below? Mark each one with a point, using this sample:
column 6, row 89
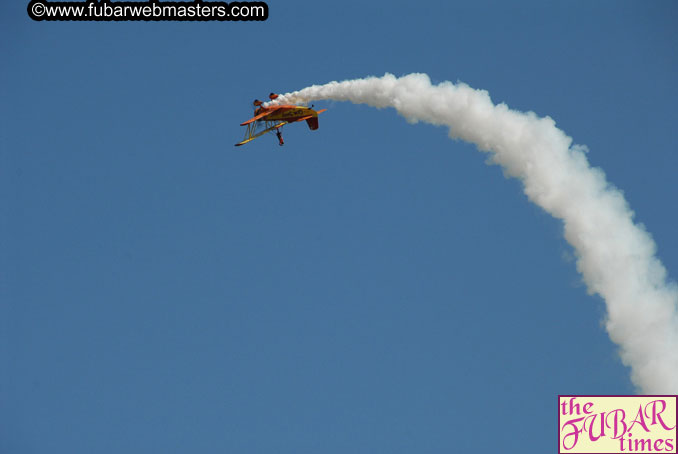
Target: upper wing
column 257, row 117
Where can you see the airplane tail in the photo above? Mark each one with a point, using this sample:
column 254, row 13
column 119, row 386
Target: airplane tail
column 312, row 123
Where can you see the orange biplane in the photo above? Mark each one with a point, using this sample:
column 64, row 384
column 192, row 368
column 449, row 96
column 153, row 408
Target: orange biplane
column 268, row 119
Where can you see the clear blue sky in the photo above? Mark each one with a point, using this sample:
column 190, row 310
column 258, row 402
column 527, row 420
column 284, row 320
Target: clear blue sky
column 372, row 287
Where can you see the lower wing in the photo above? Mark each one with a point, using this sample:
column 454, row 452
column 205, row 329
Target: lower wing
column 250, row 137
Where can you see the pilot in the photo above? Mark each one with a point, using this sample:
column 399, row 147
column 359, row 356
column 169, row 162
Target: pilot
column 257, row 107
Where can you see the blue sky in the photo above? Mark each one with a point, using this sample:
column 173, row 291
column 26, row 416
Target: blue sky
column 370, row 287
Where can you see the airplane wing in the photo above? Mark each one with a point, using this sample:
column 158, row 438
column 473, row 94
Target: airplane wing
column 250, row 137
column 257, row 117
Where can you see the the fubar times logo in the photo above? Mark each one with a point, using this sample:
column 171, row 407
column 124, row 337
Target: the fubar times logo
column 617, row 424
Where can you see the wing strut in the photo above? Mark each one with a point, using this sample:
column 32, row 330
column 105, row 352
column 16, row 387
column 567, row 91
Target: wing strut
column 250, row 133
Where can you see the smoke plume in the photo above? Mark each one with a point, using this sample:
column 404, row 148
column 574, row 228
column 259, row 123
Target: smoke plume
column 615, row 256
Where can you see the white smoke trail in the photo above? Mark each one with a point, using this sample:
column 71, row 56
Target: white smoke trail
column 614, row 255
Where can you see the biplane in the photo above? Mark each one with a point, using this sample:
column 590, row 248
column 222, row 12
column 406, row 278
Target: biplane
column 273, row 118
